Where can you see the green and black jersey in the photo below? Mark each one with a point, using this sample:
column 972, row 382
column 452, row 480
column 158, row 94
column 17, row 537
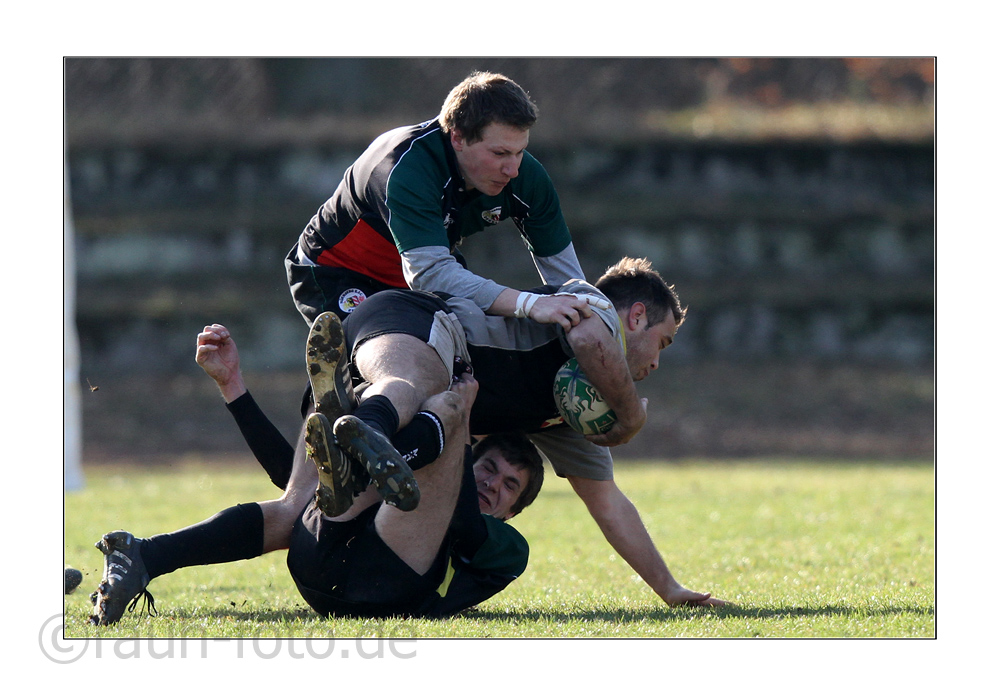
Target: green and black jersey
column 405, row 193
column 485, row 555
column 468, row 581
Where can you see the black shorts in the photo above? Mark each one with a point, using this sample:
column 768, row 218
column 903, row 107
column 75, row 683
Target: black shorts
column 390, row 311
column 408, row 312
column 345, row 569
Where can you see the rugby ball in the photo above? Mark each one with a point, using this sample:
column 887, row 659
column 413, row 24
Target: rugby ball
column 578, row 402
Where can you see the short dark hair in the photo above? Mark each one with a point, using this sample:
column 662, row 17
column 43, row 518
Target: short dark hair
column 484, row 98
column 522, row 454
column 635, row 280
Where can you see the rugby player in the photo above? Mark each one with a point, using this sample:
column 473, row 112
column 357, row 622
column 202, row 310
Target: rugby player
column 451, row 553
column 515, row 361
column 404, row 207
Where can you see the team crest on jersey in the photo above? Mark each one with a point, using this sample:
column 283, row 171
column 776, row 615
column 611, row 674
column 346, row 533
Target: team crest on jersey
column 492, row 216
column 350, row 299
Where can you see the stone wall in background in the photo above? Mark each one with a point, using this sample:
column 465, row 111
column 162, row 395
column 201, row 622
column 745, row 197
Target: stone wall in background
column 780, row 251
column 790, row 201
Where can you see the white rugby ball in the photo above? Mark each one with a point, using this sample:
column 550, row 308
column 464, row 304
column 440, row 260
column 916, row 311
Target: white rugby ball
column 578, row 402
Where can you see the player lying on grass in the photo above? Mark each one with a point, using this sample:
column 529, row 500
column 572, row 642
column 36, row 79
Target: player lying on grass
column 516, row 361
column 374, row 560
column 451, row 552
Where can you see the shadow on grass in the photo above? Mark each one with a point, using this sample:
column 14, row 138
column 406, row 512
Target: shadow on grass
column 667, row 614
column 249, row 614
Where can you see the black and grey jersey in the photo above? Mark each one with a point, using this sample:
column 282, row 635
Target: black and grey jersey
column 515, row 362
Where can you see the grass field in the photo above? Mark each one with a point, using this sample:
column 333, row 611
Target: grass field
column 803, row 549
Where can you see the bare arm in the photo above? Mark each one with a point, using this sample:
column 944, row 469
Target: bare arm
column 623, row 528
column 603, row 361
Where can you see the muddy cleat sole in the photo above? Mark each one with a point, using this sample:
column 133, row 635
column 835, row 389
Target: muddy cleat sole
column 339, row 478
column 73, row 579
column 124, row 580
column 329, row 369
column 389, row 471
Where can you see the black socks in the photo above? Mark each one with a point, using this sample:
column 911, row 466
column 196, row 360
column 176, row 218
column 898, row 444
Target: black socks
column 421, row 441
column 234, row 534
column 378, row 412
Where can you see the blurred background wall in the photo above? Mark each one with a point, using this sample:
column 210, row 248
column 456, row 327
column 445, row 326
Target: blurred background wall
column 791, row 202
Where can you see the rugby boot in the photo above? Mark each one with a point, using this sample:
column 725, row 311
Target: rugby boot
column 329, row 369
column 341, row 478
column 124, row 580
column 391, row 474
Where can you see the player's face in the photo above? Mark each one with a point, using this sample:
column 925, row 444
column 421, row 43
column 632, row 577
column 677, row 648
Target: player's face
column 489, row 164
column 498, row 483
column 645, row 343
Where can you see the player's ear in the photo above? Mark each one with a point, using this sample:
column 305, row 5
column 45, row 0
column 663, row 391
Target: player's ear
column 637, row 316
column 457, row 141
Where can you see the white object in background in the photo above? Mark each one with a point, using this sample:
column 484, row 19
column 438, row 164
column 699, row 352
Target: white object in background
column 72, row 420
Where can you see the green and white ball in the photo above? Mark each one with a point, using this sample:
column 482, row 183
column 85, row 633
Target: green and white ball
column 578, row 402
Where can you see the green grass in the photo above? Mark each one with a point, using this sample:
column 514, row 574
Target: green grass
column 803, row 549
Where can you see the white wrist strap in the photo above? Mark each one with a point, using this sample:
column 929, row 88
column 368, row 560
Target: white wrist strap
column 525, row 301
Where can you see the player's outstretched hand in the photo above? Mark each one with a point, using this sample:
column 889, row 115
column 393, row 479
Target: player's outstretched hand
column 216, row 353
column 678, row 595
